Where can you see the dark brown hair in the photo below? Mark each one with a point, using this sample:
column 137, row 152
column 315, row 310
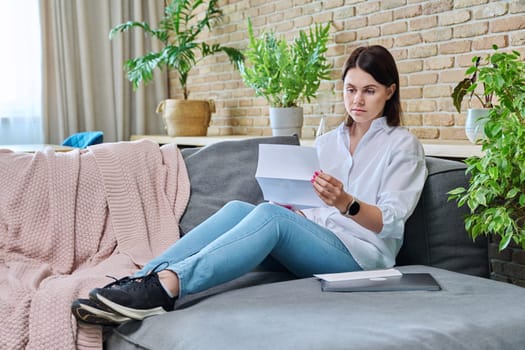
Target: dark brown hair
column 379, row 63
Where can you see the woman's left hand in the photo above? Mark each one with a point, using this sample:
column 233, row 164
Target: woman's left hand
column 330, row 190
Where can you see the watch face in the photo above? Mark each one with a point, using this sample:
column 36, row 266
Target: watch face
column 354, row 208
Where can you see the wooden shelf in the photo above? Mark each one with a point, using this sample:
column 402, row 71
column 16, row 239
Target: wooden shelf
column 195, row 141
column 451, row 149
column 30, row 148
column 434, row 148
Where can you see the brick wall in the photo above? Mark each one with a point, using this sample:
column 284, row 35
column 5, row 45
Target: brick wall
column 432, row 41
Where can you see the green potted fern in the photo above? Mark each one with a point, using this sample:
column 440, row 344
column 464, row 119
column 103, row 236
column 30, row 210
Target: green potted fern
column 286, row 75
column 496, row 191
column 179, row 30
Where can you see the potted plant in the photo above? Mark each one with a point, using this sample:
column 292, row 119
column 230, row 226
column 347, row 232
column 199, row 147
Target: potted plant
column 476, row 117
column 178, row 30
column 286, row 75
column 496, row 191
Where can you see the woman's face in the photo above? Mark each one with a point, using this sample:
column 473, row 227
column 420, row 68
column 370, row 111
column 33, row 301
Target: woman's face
column 364, row 97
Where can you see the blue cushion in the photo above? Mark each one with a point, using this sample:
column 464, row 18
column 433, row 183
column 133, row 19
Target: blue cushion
column 84, row 139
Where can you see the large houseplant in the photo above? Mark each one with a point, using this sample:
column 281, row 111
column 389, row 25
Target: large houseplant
column 286, row 75
column 179, row 30
column 496, row 191
column 476, row 117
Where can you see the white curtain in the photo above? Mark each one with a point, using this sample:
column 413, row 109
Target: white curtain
column 85, row 87
column 20, row 64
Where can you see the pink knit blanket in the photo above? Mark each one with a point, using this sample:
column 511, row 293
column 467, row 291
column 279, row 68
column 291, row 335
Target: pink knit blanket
column 68, row 220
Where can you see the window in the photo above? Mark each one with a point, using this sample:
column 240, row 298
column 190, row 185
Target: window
column 21, row 65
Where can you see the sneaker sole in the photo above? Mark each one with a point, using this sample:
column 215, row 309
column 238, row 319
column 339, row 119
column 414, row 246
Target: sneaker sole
column 136, row 314
column 96, row 316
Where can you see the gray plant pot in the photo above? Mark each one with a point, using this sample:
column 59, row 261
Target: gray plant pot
column 286, row 121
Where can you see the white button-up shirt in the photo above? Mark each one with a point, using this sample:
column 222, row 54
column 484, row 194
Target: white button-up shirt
column 388, row 170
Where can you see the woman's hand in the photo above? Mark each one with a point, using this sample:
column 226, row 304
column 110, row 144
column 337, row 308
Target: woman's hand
column 330, row 190
column 289, row 207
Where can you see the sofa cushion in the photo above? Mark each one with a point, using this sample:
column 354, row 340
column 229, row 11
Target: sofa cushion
column 222, row 172
column 468, row 313
column 435, row 237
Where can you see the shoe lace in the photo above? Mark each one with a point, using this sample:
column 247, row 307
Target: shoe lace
column 118, row 282
column 159, row 267
column 129, row 280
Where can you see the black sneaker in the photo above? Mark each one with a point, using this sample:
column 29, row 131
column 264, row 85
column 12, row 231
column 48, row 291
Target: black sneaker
column 135, row 297
column 93, row 312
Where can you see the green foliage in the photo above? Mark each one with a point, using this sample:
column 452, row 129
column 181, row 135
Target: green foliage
column 179, row 29
column 286, row 74
column 496, row 192
column 469, row 85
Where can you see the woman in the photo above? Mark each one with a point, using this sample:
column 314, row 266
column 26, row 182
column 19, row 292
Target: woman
column 372, row 175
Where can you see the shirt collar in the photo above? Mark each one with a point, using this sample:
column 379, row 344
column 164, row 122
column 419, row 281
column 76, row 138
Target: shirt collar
column 381, row 123
column 377, row 124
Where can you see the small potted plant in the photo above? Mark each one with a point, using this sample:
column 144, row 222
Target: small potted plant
column 286, row 75
column 496, row 191
column 178, row 30
column 476, row 117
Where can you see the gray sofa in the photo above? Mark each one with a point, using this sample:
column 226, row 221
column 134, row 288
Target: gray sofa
column 271, row 310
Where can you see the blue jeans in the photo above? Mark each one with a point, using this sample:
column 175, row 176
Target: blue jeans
column 240, row 236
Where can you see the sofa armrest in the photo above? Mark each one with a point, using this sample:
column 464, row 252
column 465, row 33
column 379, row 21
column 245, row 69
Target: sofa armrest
column 435, row 234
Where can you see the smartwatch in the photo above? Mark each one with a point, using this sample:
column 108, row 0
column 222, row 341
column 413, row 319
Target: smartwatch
column 353, row 207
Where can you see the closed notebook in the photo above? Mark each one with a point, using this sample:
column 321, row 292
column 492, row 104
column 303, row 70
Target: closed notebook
column 405, row 282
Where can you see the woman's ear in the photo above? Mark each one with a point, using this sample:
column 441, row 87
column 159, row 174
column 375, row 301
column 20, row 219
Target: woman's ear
column 391, row 90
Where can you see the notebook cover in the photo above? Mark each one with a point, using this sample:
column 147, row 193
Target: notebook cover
column 405, row 282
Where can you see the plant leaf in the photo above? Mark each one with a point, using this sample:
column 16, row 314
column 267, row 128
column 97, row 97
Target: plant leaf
column 459, row 93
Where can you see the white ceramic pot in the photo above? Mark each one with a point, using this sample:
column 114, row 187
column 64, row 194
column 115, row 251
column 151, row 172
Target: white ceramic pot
column 475, row 124
column 286, row 121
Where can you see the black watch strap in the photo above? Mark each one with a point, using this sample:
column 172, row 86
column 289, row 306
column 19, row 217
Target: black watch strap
column 353, row 208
